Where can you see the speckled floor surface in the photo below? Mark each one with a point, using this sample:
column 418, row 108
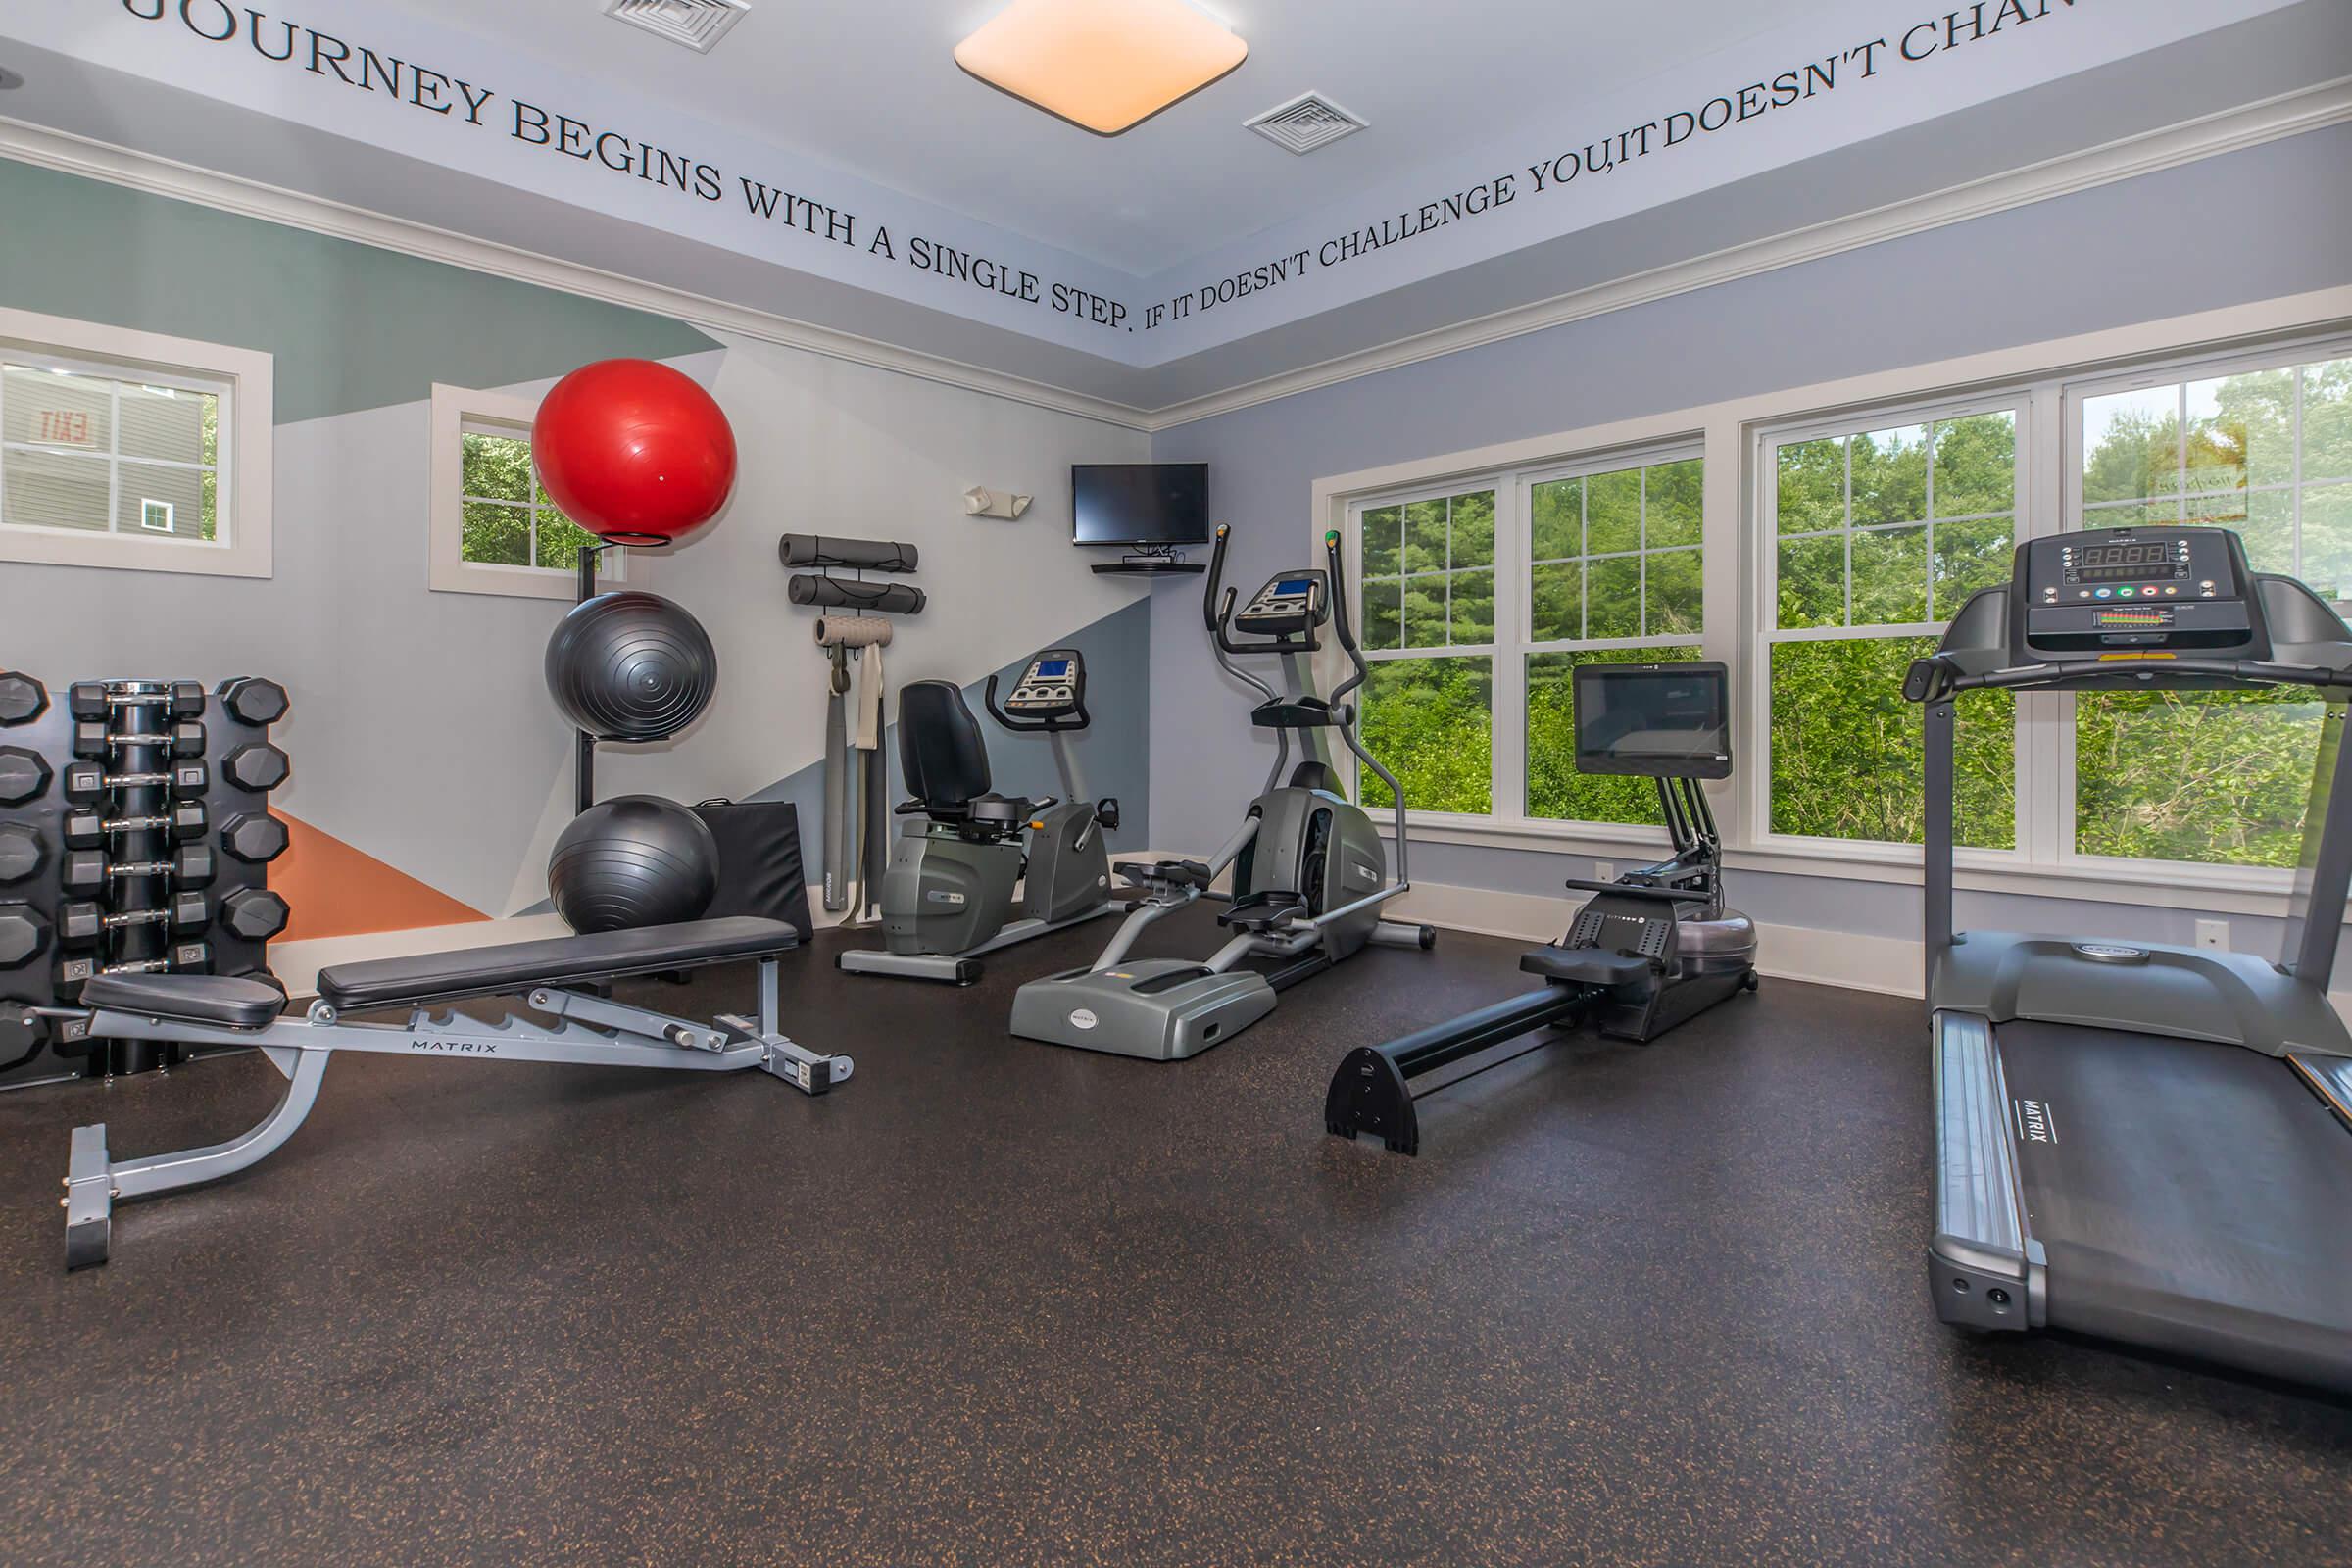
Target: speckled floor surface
column 999, row 1303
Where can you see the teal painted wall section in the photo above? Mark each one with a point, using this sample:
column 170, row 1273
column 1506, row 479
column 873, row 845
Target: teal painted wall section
column 352, row 327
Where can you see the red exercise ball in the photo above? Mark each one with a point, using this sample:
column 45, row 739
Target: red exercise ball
column 634, row 452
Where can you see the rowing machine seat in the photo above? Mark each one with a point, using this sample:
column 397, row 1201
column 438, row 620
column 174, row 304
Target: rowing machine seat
column 208, row 998
column 1588, row 966
column 560, row 961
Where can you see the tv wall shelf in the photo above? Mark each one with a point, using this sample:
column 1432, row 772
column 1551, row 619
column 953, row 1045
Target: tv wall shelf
column 1150, row 568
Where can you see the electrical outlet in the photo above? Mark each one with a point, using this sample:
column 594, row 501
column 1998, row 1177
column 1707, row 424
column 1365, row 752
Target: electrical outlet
column 1605, row 870
column 2213, row 934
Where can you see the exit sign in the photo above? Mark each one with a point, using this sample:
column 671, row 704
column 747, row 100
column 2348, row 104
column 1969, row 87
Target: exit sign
column 62, row 427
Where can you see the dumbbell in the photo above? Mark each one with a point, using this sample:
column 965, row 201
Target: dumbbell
column 94, row 699
column 86, row 830
column 253, row 913
column 257, row 765
column 255, row 837
column 22, row 1031
column 22, row 698
column 185, row 958
column 254, row 701
column 88, row 871
column 82, row 924
column 23, row 776
column 93, row 738
column 24, row 935
column 22, row 853
column 86, row 781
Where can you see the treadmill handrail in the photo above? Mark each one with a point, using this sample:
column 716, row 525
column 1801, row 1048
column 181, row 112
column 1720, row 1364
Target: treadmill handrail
column 1939, row 675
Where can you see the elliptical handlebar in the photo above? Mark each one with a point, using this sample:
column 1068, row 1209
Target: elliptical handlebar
column 1337, row 570
column 1051, row 725
column 1217, row 617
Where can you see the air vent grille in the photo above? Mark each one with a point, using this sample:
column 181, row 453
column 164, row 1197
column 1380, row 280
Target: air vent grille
column 696, row 23
column 1306, row 123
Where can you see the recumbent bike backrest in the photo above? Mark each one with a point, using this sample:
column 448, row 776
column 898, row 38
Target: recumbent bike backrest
column 941, row 749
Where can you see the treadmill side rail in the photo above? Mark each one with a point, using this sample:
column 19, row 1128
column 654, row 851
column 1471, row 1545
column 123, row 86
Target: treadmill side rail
column 1985, row 1270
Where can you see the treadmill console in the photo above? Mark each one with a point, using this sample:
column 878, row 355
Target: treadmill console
column 2123, row 588
column 1052, row 686
column 1294, row 603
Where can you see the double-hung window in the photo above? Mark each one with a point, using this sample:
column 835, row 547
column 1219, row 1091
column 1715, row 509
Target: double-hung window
column 1880, row 527
column 1482, row 597
column 124, row 449
column 2263, row 446
column 495, row 528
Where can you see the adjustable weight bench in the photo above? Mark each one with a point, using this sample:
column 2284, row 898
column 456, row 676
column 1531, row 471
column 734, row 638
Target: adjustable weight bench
column 588, row 1029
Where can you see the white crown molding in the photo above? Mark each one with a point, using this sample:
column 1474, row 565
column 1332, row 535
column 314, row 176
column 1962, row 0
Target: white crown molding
column 2231, row 130
column 2273, row 119
column 163, row 176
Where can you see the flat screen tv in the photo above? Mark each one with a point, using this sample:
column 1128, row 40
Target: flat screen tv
column 1140, row 505
column 1653, row 720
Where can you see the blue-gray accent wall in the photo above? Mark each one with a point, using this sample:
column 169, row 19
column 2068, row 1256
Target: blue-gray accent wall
column 1113, row 756
column 352, row 327
column 2267, row 221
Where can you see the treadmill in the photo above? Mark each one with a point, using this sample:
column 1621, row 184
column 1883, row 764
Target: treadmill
column 2148, row 1144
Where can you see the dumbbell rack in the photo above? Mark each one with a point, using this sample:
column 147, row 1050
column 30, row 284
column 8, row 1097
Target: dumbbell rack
column 146, row 852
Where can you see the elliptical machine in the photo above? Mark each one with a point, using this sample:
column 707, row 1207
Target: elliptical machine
column 1310, row 871
column 1644, row 953
column 948, row 896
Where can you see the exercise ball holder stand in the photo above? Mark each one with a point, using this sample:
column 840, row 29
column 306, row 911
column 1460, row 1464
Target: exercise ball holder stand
column 583, row 743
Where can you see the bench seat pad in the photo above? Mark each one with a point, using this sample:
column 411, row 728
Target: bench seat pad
column 561, row 961
column 209, row 998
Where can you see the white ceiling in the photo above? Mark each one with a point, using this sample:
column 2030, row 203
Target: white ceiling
column 872, row 86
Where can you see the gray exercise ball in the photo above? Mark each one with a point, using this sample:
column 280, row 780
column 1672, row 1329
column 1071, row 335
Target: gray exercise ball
column 630, row 667
column 633, row 860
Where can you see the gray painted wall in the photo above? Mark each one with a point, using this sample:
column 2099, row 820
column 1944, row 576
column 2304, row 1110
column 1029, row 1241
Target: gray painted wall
column 2069, row 266
column 422, row 732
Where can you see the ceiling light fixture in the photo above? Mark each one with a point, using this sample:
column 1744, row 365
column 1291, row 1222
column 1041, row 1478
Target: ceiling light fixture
column 1107, row 64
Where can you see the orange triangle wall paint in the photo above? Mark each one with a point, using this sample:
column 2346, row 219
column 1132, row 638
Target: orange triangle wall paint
column 336, row 891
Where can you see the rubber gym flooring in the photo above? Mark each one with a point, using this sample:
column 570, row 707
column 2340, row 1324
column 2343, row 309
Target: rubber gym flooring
column 994, row 1303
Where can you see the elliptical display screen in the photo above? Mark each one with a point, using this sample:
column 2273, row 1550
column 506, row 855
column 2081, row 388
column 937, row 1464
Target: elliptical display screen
column 1653, row 720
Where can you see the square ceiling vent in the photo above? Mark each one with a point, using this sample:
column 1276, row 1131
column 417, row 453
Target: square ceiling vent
column 1304, row 123
column 696, row 23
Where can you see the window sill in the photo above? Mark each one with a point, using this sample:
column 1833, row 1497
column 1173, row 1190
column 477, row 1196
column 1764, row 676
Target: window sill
column 2259, row 891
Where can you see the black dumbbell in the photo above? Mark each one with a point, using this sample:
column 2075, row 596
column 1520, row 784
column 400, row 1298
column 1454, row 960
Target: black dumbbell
column 22, row 698
column 21, row 1030
column 23, row 776
column 86, row 781
column 94, row 699
column 257, row 765
column 80, row 923
column 185, row 958
column 255, row 837
column 92, row 738
column 88, row 871
column 24, row 935
column 252, row 700
column 255, row 913
column 85, row 830
column 22, row 853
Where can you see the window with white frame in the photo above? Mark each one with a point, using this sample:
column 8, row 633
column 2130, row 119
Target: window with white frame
column 126, row 449
column 2263, row 446
column 496, row 530
column 1879, row 528
column 1480, row 599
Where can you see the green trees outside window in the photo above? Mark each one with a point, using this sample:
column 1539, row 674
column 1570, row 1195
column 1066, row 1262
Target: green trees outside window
column 2219, row 778
column 509, row 519
column 1879, row 536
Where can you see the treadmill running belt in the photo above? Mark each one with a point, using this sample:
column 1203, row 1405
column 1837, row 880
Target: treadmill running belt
column 2192, row 1198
